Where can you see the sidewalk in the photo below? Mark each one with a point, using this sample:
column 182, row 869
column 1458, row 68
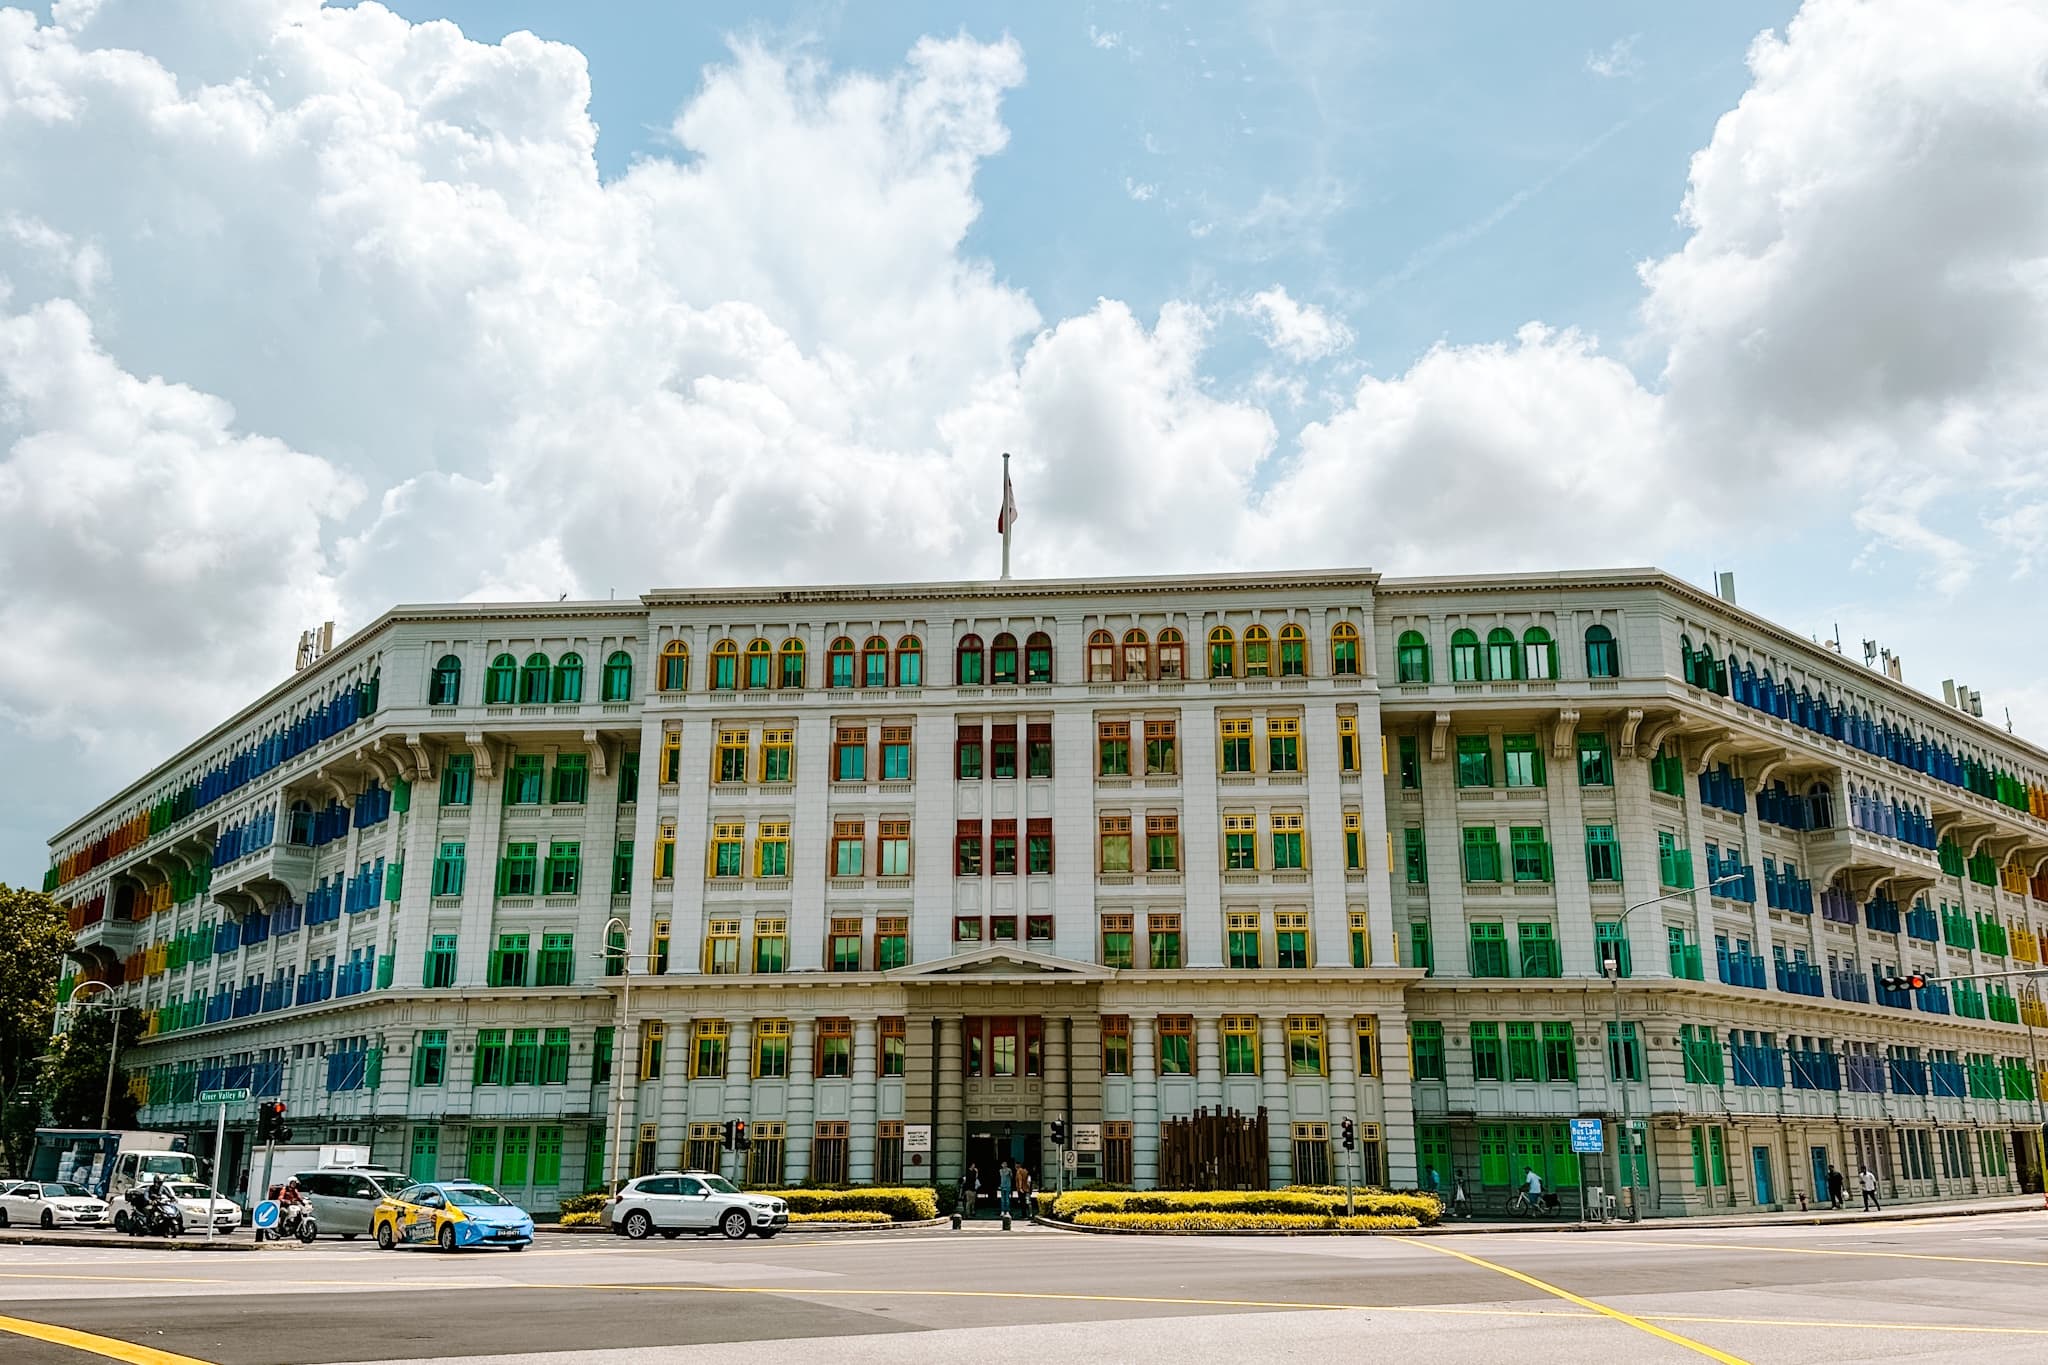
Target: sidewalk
column 1890, row 1213
column 240, row 1240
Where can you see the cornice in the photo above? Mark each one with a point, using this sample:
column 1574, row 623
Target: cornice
column 1016, row 589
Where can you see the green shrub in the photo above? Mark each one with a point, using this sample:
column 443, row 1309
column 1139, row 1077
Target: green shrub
column 858, row 1216
column 902, row 1204
column 1422, row 1209
column 583, row 1218
column 581, row 1203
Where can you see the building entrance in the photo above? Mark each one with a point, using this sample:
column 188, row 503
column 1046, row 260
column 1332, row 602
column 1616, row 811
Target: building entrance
column 988, row 1146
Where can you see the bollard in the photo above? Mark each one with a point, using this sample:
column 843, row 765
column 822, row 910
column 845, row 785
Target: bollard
column 1006, row 1222
column 956, row 1222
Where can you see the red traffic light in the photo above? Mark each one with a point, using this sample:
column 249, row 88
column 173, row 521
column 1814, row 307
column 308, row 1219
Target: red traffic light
column 1916, row 981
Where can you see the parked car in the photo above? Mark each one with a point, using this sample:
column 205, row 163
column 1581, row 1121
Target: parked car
column 452, row 1214
column 51, row 1204
column 675, row 1202
column 345, row 1200
column 192, row 1200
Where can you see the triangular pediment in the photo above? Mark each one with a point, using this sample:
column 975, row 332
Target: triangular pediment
column 1005, row 961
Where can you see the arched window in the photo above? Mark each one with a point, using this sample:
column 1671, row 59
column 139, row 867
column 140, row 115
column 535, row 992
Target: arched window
column 1173, row 661
column 760, row 665
column 1038, row 658
column 501, row 682
column 1600, row 659
column 969, row 662
column 675, row 666
column 1539, row 655
column 791, row 661
column 910, row 662
column 1002, row 661
column 1101, row 657
column 1137, row 656
column 1293, row 652
column 874, row 662
column 1465, row 657
column 1500, row 654
column 1411, row 658
column 618, row 677
column 1344, row 660
column 1222, row 653
column 725, row 666
column 569, row 678
column 1258, row 652
column 839, row 659
column 446, row 687
column 533, row 679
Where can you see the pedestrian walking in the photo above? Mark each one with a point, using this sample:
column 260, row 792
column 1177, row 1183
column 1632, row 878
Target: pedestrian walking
column 1868, row 1181
column 1024, row 1189
column 970, row 1185
column 1006, row 1185
column 1836, row 1184
column 1461, row 1205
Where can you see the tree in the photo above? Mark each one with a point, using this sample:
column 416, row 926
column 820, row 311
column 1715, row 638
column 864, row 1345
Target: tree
column 75, row 1077
column 35, row 930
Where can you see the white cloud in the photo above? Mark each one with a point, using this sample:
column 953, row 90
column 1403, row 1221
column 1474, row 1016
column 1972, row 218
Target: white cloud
column 1138, row 190
column 1618, row 60
column 1105, row 39
column 1299, row 331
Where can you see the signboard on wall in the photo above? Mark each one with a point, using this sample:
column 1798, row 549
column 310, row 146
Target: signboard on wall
column 917, row 1137
column 1087, row 1137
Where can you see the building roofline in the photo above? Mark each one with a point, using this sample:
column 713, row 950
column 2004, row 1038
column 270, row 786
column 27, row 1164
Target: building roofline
column 1012, row 588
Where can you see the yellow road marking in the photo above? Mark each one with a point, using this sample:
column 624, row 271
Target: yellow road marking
column 1633, row 1321
column 125, row 1351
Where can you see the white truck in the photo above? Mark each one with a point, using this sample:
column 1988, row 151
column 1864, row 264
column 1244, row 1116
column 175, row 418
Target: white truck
column 289, row 1158
column 109, row 1161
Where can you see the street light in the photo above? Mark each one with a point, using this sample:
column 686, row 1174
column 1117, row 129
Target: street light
column 617, row 950
column 113, row 1042
column 1635, row 1210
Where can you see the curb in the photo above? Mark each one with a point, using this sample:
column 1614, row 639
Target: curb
column 228, row 1242
column 599, row 1230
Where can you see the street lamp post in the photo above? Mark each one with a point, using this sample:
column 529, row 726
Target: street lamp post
column 113, row 1040
column 624, row 958
column 1613, row 970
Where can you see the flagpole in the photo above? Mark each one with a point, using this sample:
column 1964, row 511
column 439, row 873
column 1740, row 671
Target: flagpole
column 1007, row 518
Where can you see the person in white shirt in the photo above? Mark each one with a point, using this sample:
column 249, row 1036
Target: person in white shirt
column 1868, row 1180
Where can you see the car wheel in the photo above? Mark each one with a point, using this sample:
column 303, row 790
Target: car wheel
column 385, row 1241
column 638, row 1224
column 121, row 1221
column 3, row 1218
column 735, row 1224
column 447, row 1237
column 49, row 1220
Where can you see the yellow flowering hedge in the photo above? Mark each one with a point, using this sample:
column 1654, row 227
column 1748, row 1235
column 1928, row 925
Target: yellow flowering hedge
column 1199, row 1221
column 897, row 1204
column 584, row 1218
column 853, row 1216
column 1319, row 1205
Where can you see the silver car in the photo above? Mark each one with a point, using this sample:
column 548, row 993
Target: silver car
column 343, row 1198
column 675, row 1202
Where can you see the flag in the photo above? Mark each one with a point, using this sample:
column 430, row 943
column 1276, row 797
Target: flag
column 1007, row 518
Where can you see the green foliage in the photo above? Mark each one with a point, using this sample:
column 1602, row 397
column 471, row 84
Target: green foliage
column 582, row 1203
column 1196, row 1220
column 1317, row 1204
column 901, row 1204
column 74, row 1080
column 35, row 935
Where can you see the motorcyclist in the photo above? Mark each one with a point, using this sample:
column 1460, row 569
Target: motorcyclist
column 292, row 1205
column 291, row 1194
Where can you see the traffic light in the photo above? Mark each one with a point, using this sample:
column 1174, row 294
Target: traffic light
column 1350, row 1134
column 731, row 1139
column 739, row 1135
column 1059, row 1133
column 1912, row 981
column 270, row 1124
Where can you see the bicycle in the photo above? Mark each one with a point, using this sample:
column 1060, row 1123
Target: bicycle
column 1527, row 1205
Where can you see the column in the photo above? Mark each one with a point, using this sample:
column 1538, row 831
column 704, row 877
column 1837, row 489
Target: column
column 1576, row 945
column 860, row 1125
column 1144, row 1105
column 485, row 842
column 800, row 1104
column 1273, row 1084
column 673, row 1094
column 1342, row 1042
column 1397, row 1103
column 739, row 1069
column 950, row 1140
column 1054, row 1104
column 1208, row 1061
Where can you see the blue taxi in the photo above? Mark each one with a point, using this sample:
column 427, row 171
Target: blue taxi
column 452, row 1215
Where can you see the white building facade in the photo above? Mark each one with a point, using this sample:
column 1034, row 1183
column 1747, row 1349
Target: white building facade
column 900, row 875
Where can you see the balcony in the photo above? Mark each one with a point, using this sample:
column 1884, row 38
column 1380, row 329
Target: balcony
column 1741, row 969
column 1798, row 978
column 271, row 873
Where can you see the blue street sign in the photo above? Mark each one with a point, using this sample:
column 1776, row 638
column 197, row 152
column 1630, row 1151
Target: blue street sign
column 1588, row 1136
column 265, row 1215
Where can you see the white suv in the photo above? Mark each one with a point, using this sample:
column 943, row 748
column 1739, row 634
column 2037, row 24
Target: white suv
column 675, row 1202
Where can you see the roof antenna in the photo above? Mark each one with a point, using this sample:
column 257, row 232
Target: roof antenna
column 563, row 598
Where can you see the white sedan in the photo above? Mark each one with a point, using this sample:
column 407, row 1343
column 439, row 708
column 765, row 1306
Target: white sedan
column 192, row 1196
column 51, row 1204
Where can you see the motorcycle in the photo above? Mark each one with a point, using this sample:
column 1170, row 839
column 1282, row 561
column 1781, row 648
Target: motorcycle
column 293, row 1220
column 149, row 1217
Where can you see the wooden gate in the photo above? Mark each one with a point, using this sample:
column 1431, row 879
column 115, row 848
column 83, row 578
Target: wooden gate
column 1213, row 1150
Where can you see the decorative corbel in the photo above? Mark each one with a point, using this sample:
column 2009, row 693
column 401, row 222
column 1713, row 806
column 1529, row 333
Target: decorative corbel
column 1657, row 734
column 480, row 747
column 422, row 755
column 1438, row 736
column 1707, row 752
column 595, row 743
column 1561, row 733
column 1630, row 723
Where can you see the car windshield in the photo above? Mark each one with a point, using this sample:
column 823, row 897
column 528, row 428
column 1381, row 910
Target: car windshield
column 476, row 1197
column 165, row 1163
column 66, row 1190
column 185, row 1189
column 718, row 1184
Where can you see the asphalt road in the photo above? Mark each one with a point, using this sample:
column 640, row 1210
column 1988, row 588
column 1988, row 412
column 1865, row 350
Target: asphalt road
column 1935, row 1290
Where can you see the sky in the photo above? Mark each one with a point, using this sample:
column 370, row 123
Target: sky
column 309, row 310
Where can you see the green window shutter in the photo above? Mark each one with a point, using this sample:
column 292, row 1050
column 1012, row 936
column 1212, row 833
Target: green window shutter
column 394, row 878
column 401, row 796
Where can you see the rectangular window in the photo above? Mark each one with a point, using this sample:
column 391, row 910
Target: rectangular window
column 771, row 1049
column 778, row 756
column 1115, row 843
column 1305, row 1045
column 448, row 869
column 967, row 849
column 771, row 944
column 892, row 942
column 829, row 1152
column 729, row 760
column 1241, row 940
column 526, row 780
column 1482, row 853
column 1525, row 1059
column 1674, row 864
column 1162, row 843
column 1538, row 944
column 834, row 1055
column 508, row 961
column 1240, row 1045
column 722, row 947
column 1603, row 854
column 889, row 1152
column 1290, row 940
column 1002, row 848
column 707, row 1053
column 1354, row 842
column 1475, row 761
column 1283, row 745
column 850, row 754
column 519, row 870
column 1289, row 851
column 653, row 1038
column 525, row 1058
column 629, row 777
column 1610, row 940
column 1038, row 846
column 895, row 753
column 771, row 849
column 1162, row 939
column 894, row 1048
column 1113, row 749
column 967, row 753
column 1560, row 1057
column 728, row 848
column 1530, row 852
column 1176, row 1044
column 1415, row 855
column 1595, row 768
column 601, row 1055
column 440, row 963
column 1234, row 738
column 671, row 756
column 1161, row 757
column 1624, row 1051
column 1367, row 1027
column 1489, row 948
column 1240, row 843
column 1003, row 751
column 483, row 1154
column 1038, row 750
column 1409, row 752
column 765, row 1146
column 849, row 848
column 565, row 868
column 1361, row 939
column 556, row 965
column 571, row 780
column 1522, row 761
column 1347, row 744
column 842, row 946
column 622, row 867
column 893, row 846
column 430, row 1058
column 458, row 776
column 1116, row 941
column 1487, row 1061
column 1421, row 946
column 1116, row 1045
column 1426, row 1049
column 665, row 852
